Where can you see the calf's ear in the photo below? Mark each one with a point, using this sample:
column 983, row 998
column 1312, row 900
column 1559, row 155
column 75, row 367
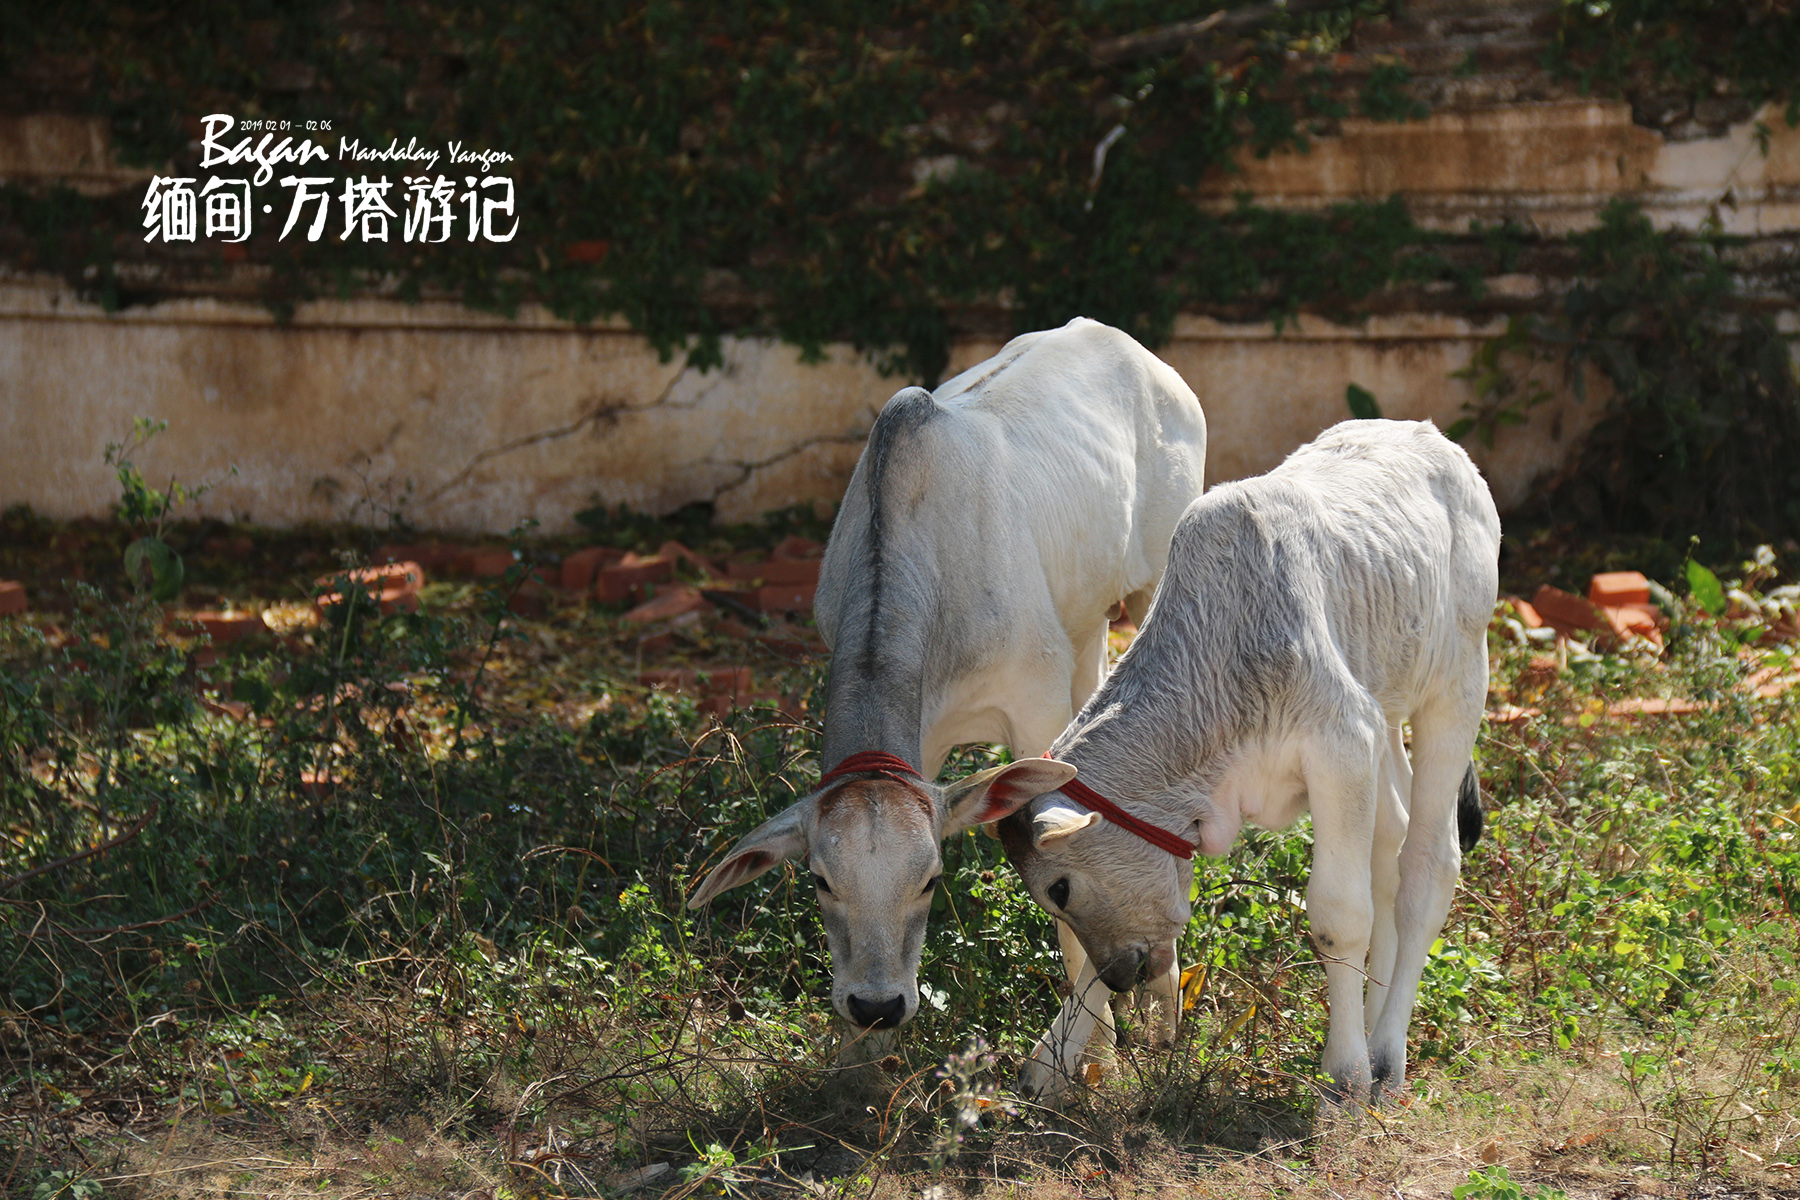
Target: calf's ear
column 1000, row 791
column 780, row 837
column 1055, row 821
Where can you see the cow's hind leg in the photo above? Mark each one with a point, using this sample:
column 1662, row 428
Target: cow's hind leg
column 1340, row 771
column 1393, row 792
column 1430, row 860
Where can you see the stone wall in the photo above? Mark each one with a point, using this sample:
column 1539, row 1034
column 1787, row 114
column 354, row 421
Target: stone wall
column 466, row 421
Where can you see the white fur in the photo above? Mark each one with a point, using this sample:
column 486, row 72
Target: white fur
column 987, row 530
column 1304, row 617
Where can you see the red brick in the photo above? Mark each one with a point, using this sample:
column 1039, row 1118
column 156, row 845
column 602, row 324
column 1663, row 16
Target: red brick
column 12, row 598
column 431, row 556
column 784, row 598
column 791, row 572
column 592, row 252
column 620, row 582
column 657, row 643
column 579, row 568
column 1616, row 588
column 785, row 640
column 1653, row 707
column 1567, row 613
column 669, row 602
column 786, row 572
column 485, row 564
column 794, row 546
column 225, row 628
column 732, row 627
column 531, row 599
column 1630, row 622
column 318, row 784
column 727, row 681
column 719, row 681
column 1528, row 616
column 394, row 587
column 237, row 547
column 675, row 552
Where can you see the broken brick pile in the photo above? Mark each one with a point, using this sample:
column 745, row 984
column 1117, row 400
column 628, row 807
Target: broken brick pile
column 393, row 587
column 1616, row 610
column 672, row 586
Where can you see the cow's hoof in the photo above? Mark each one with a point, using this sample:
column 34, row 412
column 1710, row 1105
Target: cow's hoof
column 1044, row 1084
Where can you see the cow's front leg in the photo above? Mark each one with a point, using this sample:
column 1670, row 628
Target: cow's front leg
column 1164, row 997
column 1056, row 1062
column 1105, row 1034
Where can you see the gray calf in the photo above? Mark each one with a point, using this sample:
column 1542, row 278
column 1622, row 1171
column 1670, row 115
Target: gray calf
column 1303, row 617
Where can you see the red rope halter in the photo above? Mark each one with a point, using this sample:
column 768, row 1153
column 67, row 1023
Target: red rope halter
column 1161, row 838
column 872, row 762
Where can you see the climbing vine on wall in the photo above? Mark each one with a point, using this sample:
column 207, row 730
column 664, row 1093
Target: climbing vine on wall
column 820, row 170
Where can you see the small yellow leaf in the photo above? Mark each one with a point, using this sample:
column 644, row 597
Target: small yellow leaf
column 1092, row 1074
column 304, row 1084
column 1193, row 982
column 1241, row 1020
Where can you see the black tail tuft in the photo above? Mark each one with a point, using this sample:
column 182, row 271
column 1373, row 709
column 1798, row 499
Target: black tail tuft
column 1468, row 810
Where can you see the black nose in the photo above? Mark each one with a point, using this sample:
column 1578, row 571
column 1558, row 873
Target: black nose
column 876, row 1014
column 1124, row 972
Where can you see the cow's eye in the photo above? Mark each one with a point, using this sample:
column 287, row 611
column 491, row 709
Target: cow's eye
column 931, row 886
column 819, row 882
column 1058, row 893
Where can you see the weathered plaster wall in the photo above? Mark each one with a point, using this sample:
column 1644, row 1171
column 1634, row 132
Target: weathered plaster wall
column 473, row 422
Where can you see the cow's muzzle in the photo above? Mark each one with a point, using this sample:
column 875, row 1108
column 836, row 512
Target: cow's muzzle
column 876, row 1014
column 1125, row 971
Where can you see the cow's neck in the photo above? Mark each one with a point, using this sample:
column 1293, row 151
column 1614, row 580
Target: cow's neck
column 874, row 700
column 1152, row 748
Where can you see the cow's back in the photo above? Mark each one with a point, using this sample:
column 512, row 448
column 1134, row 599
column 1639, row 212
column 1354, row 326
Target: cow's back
column 1014, row 505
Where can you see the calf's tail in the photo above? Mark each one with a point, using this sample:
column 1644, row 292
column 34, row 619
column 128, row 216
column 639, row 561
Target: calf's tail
column 1468, row 810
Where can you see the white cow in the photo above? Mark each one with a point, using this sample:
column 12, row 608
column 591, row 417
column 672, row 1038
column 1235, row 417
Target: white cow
column 987, row 531
column 1305, row 615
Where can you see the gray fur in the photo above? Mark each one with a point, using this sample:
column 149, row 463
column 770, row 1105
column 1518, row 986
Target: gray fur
column 1304, row 616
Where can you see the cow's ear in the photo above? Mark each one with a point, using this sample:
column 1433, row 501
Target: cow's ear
column 1000, row 791
column 780, row 837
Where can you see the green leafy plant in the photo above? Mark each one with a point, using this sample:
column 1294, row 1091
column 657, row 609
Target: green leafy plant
column 1496, row 1183
column 1702, row 416
column 1361, row 403
column 150, row 564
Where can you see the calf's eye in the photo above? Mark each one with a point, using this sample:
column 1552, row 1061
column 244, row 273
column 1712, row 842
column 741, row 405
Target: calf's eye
column 819, row 882
column 931, row 886
column 1058, row 893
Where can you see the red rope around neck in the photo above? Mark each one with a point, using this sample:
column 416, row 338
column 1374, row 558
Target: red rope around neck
column 872, row 762
column 1161, row 838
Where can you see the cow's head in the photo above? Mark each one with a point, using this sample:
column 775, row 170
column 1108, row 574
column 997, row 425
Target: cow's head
column 870, row 846
column 1126, row 900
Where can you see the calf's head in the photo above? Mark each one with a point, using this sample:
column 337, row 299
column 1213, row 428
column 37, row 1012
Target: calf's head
column 1126, row 900
column 870, row 846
